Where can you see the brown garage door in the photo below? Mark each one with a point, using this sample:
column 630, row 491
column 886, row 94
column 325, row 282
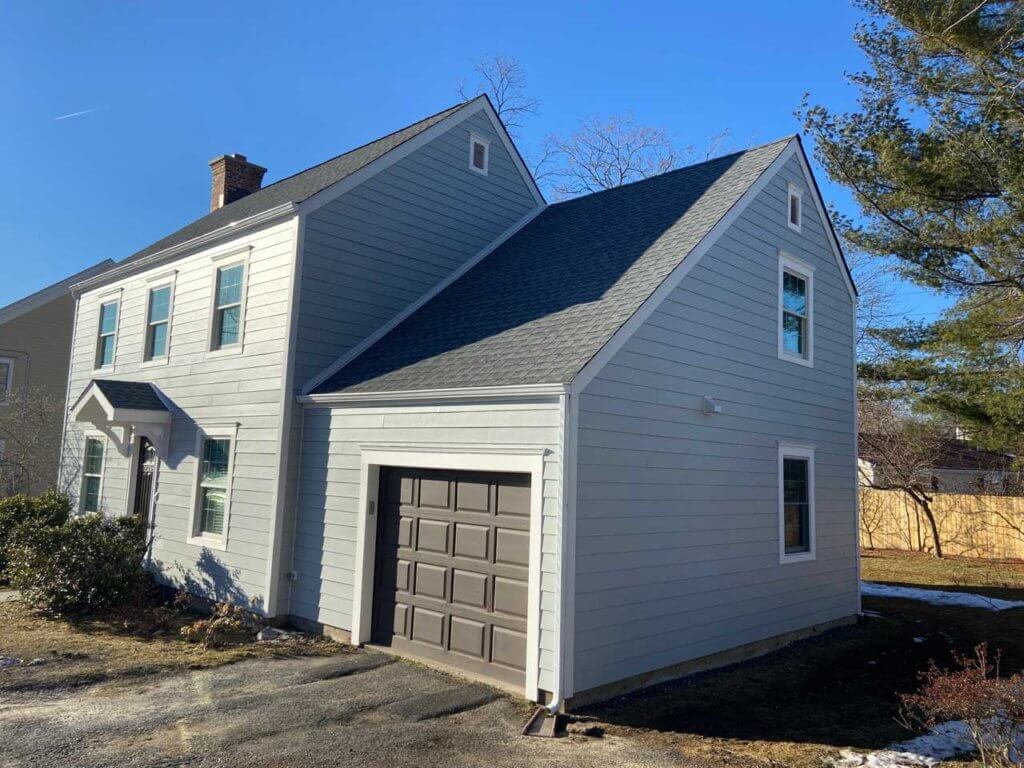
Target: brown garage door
column 451, row 569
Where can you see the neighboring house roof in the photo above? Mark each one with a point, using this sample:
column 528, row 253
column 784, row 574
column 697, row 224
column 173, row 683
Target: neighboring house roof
column 950, row 454
column 51, row 292
column 542, row 304
column 130, row 395
column 296, row 188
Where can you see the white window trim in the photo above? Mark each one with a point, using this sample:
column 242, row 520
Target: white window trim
column 194, row 535
column 9, row 384
column 804, row 271
column 114, row 297
column 795, row 191
column 791, row 451
column 474, row 139
column 93, row 435
column 220, row 262
column 150, row 287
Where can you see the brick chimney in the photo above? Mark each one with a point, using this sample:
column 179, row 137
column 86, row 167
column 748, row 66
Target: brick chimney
column 234, row 177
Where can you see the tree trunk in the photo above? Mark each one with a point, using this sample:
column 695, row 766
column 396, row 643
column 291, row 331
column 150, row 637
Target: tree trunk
column 927, row 508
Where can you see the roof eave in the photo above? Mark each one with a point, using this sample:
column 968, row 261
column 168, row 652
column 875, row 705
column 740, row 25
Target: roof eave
column 232, row 229
column 509, row 392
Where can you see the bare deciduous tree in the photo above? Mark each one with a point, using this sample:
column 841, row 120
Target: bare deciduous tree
column 876, row 301
column 30, row 425
column 901, row 451
column 503, row 80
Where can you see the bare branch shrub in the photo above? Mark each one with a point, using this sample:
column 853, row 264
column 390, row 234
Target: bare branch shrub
column 30, row 425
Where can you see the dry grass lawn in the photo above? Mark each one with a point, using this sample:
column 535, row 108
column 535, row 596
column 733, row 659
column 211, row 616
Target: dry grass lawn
column 100, row 649
column 995, row 578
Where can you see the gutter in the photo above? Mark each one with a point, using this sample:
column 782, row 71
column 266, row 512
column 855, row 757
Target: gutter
column 231, row 229
column 513, row 392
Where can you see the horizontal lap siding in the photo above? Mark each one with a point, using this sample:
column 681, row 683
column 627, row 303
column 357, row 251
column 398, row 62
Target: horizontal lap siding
column 383, row 244
column 205, row 390
column 677, row 511
column 324, row 557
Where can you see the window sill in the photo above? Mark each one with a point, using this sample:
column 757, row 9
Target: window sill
column 209, row 542
column 155, row 363
column 795, row 227
column 104, row 369
column 805, row 361
column 796, row 557
column 225, row 352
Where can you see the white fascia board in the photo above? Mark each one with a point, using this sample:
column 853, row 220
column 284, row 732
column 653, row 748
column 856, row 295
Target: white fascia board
column 391, row 324
column 826, row 224
column 514, row 392
column 233, row 229
column 513, row 152
column 675, row 277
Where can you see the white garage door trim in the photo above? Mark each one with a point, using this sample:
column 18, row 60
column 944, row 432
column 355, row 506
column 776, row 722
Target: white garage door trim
column 471, row 459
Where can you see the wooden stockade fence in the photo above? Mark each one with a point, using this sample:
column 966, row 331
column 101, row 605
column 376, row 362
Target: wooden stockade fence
column 970, row 525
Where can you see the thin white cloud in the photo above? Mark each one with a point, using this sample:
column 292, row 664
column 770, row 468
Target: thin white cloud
column 79, row 114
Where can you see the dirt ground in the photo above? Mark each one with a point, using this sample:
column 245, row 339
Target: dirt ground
column 796, row 707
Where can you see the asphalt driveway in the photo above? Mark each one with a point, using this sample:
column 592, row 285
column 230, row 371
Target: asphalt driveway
column 359, row 709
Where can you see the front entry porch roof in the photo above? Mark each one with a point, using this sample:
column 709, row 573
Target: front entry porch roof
column 123, row 410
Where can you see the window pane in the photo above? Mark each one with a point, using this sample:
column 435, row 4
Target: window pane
column 211, row 517
column 478, row 154
column 229, row 285
column 794, row 209
column 215, row 460
column 794, row 294
column 91, row 494
column 796, row 527
column 5, row 374
column 229, row 326
column 159, row 304
column 106, row 356
column 792, row 333
column 796, row 493
column 108, row 318
column 93, row 457
column 157, row 341
column 794, row 481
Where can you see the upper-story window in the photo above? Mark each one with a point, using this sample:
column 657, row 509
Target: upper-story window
column 795, row 212
column 158, row 321
column 106, row 341
column 796, row 281
column 6, row 378
column 228, row 306
column 479, row 154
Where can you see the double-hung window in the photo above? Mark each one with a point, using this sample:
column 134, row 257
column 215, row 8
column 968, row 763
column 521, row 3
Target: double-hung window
column 6, row 378
column 106, row 341
column 92, row 474
column 796, row 503
column 213, row 488
column 228, row 306
column 796, row 281
column 158, row 323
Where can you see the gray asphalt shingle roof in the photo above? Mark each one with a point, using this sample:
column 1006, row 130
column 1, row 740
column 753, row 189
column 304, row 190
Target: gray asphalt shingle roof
column 539, row 307
column 294, row 189
column 135, row 395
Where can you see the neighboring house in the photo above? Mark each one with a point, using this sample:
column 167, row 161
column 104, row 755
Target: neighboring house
column 35, row 347
column 959, row 467
column 565, row 448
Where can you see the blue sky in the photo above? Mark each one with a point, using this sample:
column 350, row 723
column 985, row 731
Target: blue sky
column 175, row 84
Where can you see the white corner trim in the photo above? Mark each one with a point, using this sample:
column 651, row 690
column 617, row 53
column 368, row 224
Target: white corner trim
column 371, row 461
column 566, row 629
column 232, row 229
column 830, row 234
column 797, row 451
column 512, row 392
column 669, row 284
column 390, row 325
column 793, row 265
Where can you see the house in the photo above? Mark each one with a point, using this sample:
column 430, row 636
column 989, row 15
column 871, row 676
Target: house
column 35, row 346
column 956, row 467
column 568, row 449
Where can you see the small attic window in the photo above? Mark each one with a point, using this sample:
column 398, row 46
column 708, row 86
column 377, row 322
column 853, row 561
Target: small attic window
column 479, row 154
column 796, row 212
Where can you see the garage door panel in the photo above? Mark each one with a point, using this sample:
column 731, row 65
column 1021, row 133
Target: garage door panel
column 453, row 567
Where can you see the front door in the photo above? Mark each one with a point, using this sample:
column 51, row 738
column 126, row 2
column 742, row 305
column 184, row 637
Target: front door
column 145, row 469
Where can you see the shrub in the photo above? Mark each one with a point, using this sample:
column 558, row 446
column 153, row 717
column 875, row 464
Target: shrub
column 226, row 621
column 87, row 564
column 51, row 508
column 992, row 707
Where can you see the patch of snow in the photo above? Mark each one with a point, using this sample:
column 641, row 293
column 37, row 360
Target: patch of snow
column 918, row 639
column 939, row 597
column 943, row 742
column 871, row 614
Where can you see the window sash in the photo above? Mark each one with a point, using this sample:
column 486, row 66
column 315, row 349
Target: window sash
column 214, row 479
column 228, row 306
column 795, row 313
column 796, row 503
column 92, row 474
column 795, row 212
column 5, row 378
column 158, row 317
column 107, row 336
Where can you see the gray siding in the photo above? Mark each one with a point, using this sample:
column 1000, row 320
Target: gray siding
column 677, row 552
column 382, row 245
column 324, row 558
column 205, row 390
